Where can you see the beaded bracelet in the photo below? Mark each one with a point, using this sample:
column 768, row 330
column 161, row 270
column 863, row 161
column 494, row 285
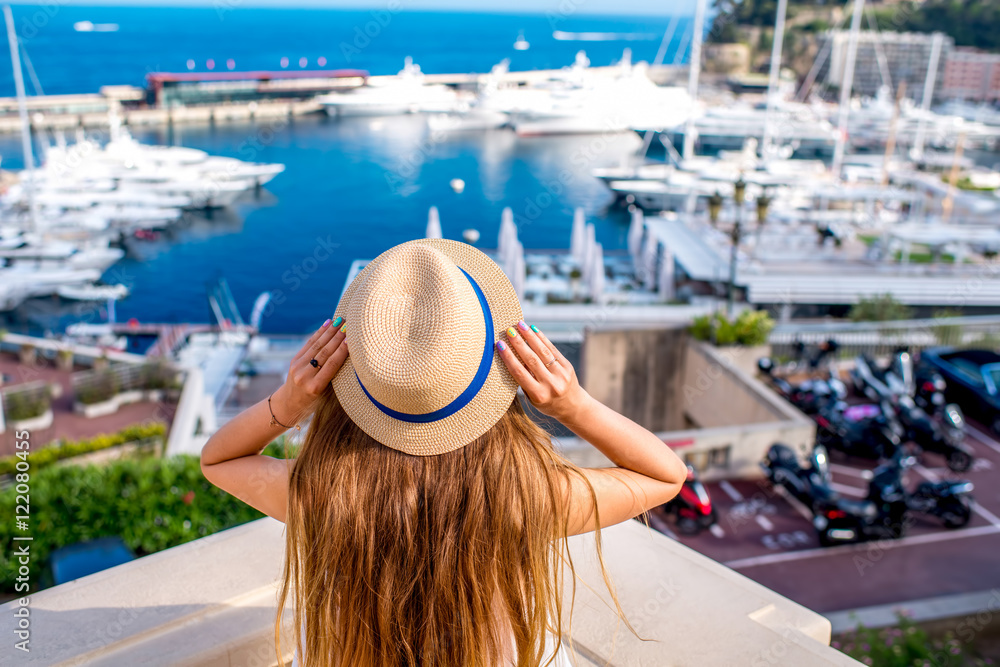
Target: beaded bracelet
column 274, row 420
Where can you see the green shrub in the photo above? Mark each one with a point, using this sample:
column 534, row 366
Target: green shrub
column 751, row 327
column 153, row 504
column 157, row 375
column 904, row 646
column 881, row 308
column 63, row 449
column 103, row 387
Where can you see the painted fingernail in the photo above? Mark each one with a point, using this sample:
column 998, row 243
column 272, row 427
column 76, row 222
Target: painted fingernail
column 501, row 346
column 343, row 329
column 512, row 332
column 325, row 323
column 522, row 325
column 337, row 322
column 534, row 328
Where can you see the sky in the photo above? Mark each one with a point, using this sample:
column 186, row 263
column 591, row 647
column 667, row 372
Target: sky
column 583, row 7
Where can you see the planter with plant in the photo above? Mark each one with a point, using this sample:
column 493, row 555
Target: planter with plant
column 28, row 410
column 97, row 398
column 28, row 355
column 64, row 360
column 745, row 337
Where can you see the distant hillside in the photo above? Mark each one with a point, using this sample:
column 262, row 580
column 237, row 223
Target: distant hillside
column 970, row 22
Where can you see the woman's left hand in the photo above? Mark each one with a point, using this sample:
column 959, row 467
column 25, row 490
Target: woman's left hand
column 306, row 382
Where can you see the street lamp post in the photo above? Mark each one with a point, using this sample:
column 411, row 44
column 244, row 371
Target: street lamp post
column 739, row 194
column 714, row 208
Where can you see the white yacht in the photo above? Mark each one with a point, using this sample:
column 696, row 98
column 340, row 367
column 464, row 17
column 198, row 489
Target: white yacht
column 407, row 92
column 581, row 101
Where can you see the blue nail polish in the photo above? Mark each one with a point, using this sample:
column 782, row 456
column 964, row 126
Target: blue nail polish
column 337, row 321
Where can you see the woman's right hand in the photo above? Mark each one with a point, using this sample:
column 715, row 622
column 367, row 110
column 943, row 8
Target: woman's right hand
column 547, row 378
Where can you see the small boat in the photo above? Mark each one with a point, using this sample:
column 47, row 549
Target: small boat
column 90, row 26
column 521, row 44
column 92, row 292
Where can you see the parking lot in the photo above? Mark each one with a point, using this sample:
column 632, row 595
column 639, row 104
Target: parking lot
column 769, row 537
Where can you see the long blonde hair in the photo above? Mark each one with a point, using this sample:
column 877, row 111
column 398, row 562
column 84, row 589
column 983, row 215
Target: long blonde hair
column 399, row 560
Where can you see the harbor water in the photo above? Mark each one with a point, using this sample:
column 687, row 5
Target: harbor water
column 353, row 187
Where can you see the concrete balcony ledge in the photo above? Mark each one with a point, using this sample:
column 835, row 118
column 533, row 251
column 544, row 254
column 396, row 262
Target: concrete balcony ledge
column 212, row 602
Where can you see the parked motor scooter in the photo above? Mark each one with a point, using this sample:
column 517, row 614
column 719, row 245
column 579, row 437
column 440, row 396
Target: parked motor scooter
column 692, row 506
column 929, row 388
column 809, row 485
column 939, row 427
column 809, row 395
column 884, row 513
column 867, row 431
column 944, row 435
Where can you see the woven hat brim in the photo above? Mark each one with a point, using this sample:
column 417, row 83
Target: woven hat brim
column 483, row 411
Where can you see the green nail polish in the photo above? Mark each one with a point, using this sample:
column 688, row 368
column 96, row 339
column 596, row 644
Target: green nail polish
column 338, row 321
column 534, row 328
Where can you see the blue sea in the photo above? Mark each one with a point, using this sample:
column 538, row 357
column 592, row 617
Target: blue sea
column 353, row 187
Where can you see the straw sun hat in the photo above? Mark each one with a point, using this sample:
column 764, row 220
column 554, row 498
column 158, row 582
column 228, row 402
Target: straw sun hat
column 423, row 319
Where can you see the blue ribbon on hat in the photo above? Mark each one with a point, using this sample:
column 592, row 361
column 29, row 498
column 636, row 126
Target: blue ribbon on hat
column 470, row 392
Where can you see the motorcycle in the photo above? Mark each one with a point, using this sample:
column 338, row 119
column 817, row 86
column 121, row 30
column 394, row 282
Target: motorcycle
column 818, row 358
column 809, row 485
column 808, row 396
column 944, row 435
column 884, row 513
column 929, row 390
column 940, row 430
column 865, row 431
column 692, row 506
column 876, row 382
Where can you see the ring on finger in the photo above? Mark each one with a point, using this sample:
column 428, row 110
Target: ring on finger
column 315, row 364
column 550, row 362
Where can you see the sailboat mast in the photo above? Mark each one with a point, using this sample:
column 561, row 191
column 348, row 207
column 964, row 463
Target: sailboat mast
column 22, row 108
column 918, row 143
column 772, row 81
column 845, row 88
column 693, row 73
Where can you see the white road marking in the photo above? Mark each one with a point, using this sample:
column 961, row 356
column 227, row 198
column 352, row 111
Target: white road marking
column 764, row 523
column 848, row 470
column 942, row 536
column 731, row 491
column 716, row 530
column 983, row 438
column 976, row 507
column 848, row 490
column 795, row 503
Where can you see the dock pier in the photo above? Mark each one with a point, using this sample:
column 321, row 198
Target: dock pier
column 90, row 110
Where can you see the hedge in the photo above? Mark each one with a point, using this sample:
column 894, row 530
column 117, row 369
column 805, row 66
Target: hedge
column 64, row 449
column 152, row 504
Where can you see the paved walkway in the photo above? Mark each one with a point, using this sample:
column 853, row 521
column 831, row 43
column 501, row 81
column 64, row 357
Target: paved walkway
column 67, row 424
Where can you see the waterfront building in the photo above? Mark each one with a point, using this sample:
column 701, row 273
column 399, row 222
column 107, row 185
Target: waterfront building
column 884, row 59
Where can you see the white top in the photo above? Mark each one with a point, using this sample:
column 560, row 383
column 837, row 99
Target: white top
column 562, row 657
